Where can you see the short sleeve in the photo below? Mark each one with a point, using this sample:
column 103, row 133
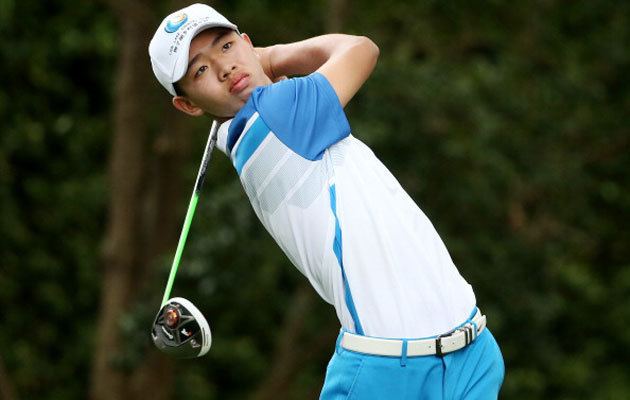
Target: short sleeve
column 304, row 113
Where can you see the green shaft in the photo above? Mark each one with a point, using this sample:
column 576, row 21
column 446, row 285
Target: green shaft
column 180, row 246
column 201, row 175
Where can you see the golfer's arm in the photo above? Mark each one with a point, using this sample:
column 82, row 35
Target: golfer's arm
column 346, row 61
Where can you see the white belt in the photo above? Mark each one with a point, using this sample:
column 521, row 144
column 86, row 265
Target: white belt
column 440, row 345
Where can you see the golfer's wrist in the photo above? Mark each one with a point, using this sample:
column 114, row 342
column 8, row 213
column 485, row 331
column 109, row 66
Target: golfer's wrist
column 265, row 61
column 271, row 52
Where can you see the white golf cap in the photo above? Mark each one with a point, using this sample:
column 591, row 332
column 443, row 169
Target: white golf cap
column 171, row 42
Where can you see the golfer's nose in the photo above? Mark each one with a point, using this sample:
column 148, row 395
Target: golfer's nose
column 226, row 70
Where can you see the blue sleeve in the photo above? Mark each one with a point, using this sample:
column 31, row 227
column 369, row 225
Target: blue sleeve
column 304, row 113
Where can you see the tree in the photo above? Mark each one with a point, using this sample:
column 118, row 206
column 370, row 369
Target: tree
column 145, row 190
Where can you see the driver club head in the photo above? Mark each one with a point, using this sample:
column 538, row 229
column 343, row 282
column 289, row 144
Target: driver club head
column 180, row 330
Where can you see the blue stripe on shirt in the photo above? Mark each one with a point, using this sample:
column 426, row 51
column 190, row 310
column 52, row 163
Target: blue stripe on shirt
column 250, row 142
column 337, row 248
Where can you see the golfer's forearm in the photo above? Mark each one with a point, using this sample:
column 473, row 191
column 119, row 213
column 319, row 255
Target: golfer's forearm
column 346, row 61
column 304, row 57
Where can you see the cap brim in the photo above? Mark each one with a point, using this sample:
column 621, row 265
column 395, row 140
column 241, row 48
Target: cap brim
column 181, row 64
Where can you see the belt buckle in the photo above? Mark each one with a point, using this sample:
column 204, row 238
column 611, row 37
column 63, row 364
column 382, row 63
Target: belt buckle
column 438, row 342
column 438, row 346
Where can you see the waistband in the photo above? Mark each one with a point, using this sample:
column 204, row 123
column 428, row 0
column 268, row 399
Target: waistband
column 446, row 343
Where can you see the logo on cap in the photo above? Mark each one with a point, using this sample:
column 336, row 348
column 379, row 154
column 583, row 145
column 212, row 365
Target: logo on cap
column 174, row 23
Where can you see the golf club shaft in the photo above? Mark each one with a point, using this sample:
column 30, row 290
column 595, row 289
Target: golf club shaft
column 212, row 138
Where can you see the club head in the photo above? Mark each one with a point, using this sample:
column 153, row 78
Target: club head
column 180, row 330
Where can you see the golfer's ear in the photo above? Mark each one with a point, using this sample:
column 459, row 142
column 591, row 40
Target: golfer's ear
column 246, row 37
column 184, row 105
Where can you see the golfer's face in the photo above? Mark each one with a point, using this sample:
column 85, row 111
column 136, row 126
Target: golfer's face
column 223, row 71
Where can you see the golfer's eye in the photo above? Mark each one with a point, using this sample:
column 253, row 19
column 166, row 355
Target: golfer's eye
column 200, row 70
column 227, row 46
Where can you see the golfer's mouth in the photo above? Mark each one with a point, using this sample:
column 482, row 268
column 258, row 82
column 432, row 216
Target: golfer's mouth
column 239, row 83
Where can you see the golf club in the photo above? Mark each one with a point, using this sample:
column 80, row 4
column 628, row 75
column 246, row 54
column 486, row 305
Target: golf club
column 179, row 328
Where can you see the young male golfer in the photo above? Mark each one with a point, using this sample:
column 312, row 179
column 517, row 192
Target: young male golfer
column 410, row 325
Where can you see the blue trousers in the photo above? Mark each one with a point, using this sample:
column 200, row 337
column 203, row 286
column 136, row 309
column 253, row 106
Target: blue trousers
column 474, row 372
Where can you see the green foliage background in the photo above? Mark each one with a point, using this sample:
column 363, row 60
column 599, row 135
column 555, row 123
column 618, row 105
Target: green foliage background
column 506, row 121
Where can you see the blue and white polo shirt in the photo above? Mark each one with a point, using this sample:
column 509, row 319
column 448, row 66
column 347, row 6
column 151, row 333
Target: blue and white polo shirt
column 340, row 216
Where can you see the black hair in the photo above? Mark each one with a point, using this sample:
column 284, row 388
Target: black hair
column 178, row 90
